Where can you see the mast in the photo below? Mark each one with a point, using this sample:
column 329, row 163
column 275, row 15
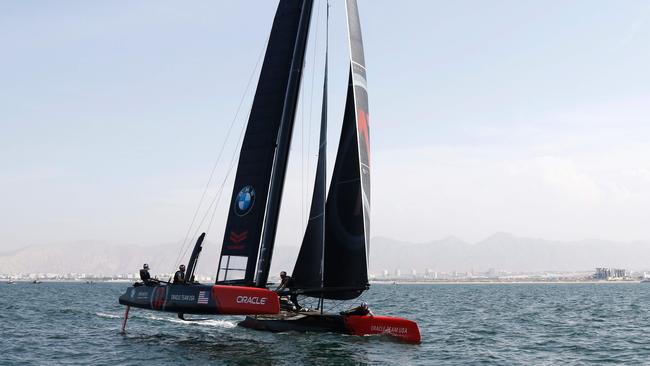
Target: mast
column 279, row 169
column 323, row 138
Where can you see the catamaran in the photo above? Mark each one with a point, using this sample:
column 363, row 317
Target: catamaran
column 332, row 263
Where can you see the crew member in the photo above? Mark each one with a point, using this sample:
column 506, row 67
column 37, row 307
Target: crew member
column 359, row 310
column 287, row 283
column 144, row 275
column 179, row 276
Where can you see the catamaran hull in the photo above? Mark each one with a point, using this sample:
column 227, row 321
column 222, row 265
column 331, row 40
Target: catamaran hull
column 400, row 328
column 202, row 299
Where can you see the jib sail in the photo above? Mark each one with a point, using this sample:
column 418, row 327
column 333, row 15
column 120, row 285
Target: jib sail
column 308, row 271
column 347, row 209
column 265, row 148
column 347, row 212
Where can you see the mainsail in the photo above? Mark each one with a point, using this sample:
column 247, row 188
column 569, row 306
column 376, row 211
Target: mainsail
column 262, row 161
column 347, row 210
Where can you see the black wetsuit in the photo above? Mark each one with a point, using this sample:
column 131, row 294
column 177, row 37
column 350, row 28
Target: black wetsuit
column 144, row 275
column 359, row 310
column 179, row 277
column 287, row 283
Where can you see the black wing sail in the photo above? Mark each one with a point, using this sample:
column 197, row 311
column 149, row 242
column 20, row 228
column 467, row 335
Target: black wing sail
column 275, row 95
column 347, row 212
column 308, row 271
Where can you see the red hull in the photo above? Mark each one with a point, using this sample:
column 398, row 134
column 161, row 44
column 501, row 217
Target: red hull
column 238, row 300
column 404, row 329
column 313, row 321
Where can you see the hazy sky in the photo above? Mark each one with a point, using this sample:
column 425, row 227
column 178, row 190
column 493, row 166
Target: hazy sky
column 531, row 117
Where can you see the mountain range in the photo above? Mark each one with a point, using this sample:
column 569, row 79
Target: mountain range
column 500, row 251
column 101, row 258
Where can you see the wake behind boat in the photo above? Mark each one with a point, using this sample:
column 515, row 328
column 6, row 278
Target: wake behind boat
column 333, row 260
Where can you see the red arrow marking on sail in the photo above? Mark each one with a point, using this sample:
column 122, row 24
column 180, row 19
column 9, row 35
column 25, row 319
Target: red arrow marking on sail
column 363, row 129
column 238, row 237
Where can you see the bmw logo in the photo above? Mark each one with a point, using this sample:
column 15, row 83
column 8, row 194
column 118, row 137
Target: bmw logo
column 244, row 201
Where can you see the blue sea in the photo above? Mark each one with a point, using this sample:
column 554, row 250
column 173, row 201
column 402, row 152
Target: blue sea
column 499, row 324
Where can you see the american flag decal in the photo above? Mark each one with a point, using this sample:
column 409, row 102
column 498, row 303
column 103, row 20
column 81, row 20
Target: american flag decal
column 203, row 298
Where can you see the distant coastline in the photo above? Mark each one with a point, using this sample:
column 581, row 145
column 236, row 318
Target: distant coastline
column 498, row 282
column 373, row 282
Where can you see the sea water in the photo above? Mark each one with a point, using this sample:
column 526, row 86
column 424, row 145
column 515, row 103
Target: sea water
column 499, row 324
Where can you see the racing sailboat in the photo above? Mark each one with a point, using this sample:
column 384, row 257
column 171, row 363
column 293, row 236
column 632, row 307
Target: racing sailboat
column 333, row 260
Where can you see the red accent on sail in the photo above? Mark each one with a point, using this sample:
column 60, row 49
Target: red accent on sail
column 404, row 329
column 364, row 129
column 239, row 300
column 237, row 238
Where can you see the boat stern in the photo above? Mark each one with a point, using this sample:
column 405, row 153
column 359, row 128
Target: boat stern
column 404, row 329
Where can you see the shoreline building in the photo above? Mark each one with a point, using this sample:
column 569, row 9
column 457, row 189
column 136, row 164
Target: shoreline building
column 603, row 273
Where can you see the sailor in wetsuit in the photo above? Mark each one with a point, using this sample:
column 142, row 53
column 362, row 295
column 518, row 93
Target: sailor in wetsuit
column 145, row 276
column 287, row 284
column 359, row 310
column 179, row 276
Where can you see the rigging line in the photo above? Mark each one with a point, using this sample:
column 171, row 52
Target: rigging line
column 217, row 198
column 303, row 198
column 311, row 97
column 313, row 76
column 230, row 170
column 215, row 201
column 337, row 305
column 301, row 201
column 223, row 146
